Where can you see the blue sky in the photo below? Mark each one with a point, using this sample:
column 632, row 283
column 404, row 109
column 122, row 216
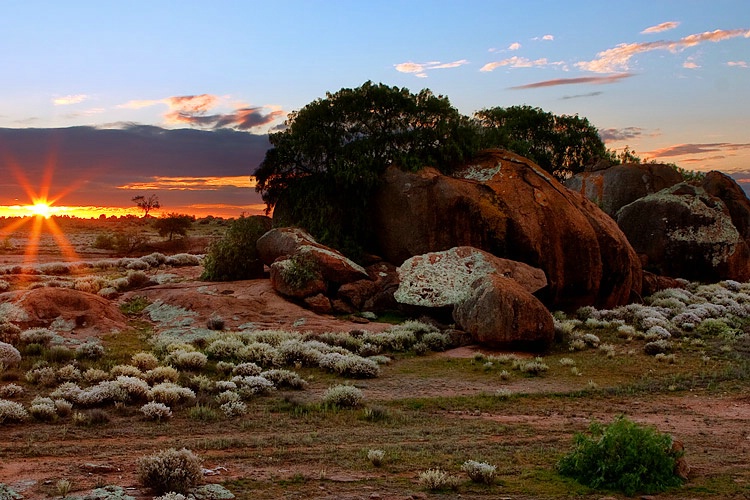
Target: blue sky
column 668, row 78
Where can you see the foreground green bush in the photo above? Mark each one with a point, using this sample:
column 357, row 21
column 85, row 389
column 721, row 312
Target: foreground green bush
column 235, row 257
column 622, row 456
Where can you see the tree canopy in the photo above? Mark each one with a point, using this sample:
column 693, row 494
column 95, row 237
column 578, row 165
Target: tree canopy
column 325, row 165
column 562, row 145
column 328, row 159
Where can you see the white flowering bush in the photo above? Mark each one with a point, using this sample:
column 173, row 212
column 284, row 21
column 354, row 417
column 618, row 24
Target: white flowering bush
column 90, row 350
column 42, row 336
column 170, row 470
column 376, row 457
column 658, row 346
column 343, row 396
column 94, row 375
column 12, row 412
column 10, row 391
column 162, row 374
column 43, row 409
column 225, row 348
column 233, row 408
column 350, row 365
column 291, row 352
column 156, row 411
column 438, row 479
column 479, row 472
column 171, row 394
column 227, row 397
column 144, row 361
column 45, row 376
column 253, row 385
column 68, row 373
column 285, row 379
column 125, row 370
column 260, row 353
column 9, row 356
column 246, row 369
column 187, row 360
column 183, row 259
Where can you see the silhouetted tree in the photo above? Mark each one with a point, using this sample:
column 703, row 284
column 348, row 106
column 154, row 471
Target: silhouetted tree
column 173, row 224
column 147, row 203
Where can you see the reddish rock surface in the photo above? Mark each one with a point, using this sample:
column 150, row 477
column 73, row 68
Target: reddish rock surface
column 500, row 312
column 438, row 279
column 87, row 313
column 614, row 187
column 685, row 233
column 375, row 294
column 727, row 190
column 517, row 211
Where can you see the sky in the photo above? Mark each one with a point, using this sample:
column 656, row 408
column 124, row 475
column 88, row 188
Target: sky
column 104, row 101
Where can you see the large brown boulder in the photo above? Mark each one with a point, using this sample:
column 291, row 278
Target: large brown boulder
column 614, row 187
column 727, row 190
column 511, row 208
column 375, row 294
column 84, row 312
column 282, row 242
column 438, row 279
column 684, row 232
column 500, row 312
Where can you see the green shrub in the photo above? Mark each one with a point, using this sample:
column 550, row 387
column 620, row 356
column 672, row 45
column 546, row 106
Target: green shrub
column 170, row 470
column 235, row 257
column 622, row 456
column 343, row 396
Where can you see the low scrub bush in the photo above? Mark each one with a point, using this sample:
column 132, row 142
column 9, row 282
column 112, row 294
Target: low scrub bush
column 479, row 472
column 235, row 257
column 376, row 457
column 156, row 411
column 343, row 396
column 622, row 456
column 438, row 479
column 10, row 411
column 170, row 471
column 9, row 356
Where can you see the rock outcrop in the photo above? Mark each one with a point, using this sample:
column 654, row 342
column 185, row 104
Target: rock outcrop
column 498, row 311
column 683, row 232
column 510, row 207
column 80, row 311
column 727, row 190
column 439, row 279
column 303, row 269
column 614, row 187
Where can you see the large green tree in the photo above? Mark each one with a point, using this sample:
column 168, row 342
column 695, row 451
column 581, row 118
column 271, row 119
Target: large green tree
column 562, row 145
column 328, row 160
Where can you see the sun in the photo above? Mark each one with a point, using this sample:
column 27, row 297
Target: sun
column 40, row 209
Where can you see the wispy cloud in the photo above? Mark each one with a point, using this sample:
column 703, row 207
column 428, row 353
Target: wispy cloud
column 578, row 96
column 690, row 63
column 698, row 149
column 190, row 183
column 670, row 25
column 738, row 64
column 618, row 58
column 514, row 46
column 420, row 69
column 597, row 80
column 194, row 109
column 620, row 134
column 518, row 62
column 546, row 38
column 69, row 99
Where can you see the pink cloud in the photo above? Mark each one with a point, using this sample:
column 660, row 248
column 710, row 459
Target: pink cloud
column 517, row 62
column 514, row 46
column 661, row 27
column 618, row 58
column 698, row 149
column 738, row 64
column 420, row 69
column 597, row 80
column 69, row 99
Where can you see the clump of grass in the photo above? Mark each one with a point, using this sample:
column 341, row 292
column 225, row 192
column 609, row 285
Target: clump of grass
column 622, row 456
column 134, row 306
